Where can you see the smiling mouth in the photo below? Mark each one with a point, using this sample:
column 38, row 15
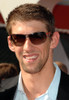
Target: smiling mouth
column 30, row 57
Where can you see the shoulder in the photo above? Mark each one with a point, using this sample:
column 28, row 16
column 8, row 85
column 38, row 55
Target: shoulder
column 63, row 90
column 64, row 81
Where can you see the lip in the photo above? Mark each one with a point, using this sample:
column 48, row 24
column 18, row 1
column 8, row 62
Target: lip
column 30, row 58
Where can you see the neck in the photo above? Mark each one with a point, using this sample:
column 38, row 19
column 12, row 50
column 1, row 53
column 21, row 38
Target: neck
column 37, row 84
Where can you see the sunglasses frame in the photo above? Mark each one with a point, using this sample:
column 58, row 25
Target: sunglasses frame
column 37, row 41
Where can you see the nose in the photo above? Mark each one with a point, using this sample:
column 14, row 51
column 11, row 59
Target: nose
column 27, row 45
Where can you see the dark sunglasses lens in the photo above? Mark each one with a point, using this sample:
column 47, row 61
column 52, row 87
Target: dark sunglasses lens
column 18, row 40
column 38, row 37
column 35, row 38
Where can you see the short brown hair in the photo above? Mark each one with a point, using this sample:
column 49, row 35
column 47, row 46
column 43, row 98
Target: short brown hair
column 29, row 12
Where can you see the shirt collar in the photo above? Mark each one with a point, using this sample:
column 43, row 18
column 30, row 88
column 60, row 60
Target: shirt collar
column 53, row 88
column 20, row 84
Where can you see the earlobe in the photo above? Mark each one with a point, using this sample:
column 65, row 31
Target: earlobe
column 55, row 40
column 10, row 44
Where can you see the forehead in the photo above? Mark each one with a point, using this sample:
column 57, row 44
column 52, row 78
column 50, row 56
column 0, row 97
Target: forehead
column 28, row 26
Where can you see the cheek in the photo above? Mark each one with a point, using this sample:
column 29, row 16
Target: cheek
column 18, row 52
column 45, row 51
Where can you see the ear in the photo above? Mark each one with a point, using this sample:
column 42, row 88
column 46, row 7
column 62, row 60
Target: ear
column 10, row 44
column 54, row 40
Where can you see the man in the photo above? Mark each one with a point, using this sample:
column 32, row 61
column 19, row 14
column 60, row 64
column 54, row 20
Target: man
column 32, row 37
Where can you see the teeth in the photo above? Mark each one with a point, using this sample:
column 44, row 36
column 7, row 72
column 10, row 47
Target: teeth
column 31, row 57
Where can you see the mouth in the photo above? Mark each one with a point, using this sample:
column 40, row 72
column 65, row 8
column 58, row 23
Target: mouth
column 30, row 58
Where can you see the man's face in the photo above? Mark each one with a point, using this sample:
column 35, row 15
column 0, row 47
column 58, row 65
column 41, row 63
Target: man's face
column 32, row 58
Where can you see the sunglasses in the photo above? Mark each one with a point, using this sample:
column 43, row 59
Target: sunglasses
column 35, row 38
